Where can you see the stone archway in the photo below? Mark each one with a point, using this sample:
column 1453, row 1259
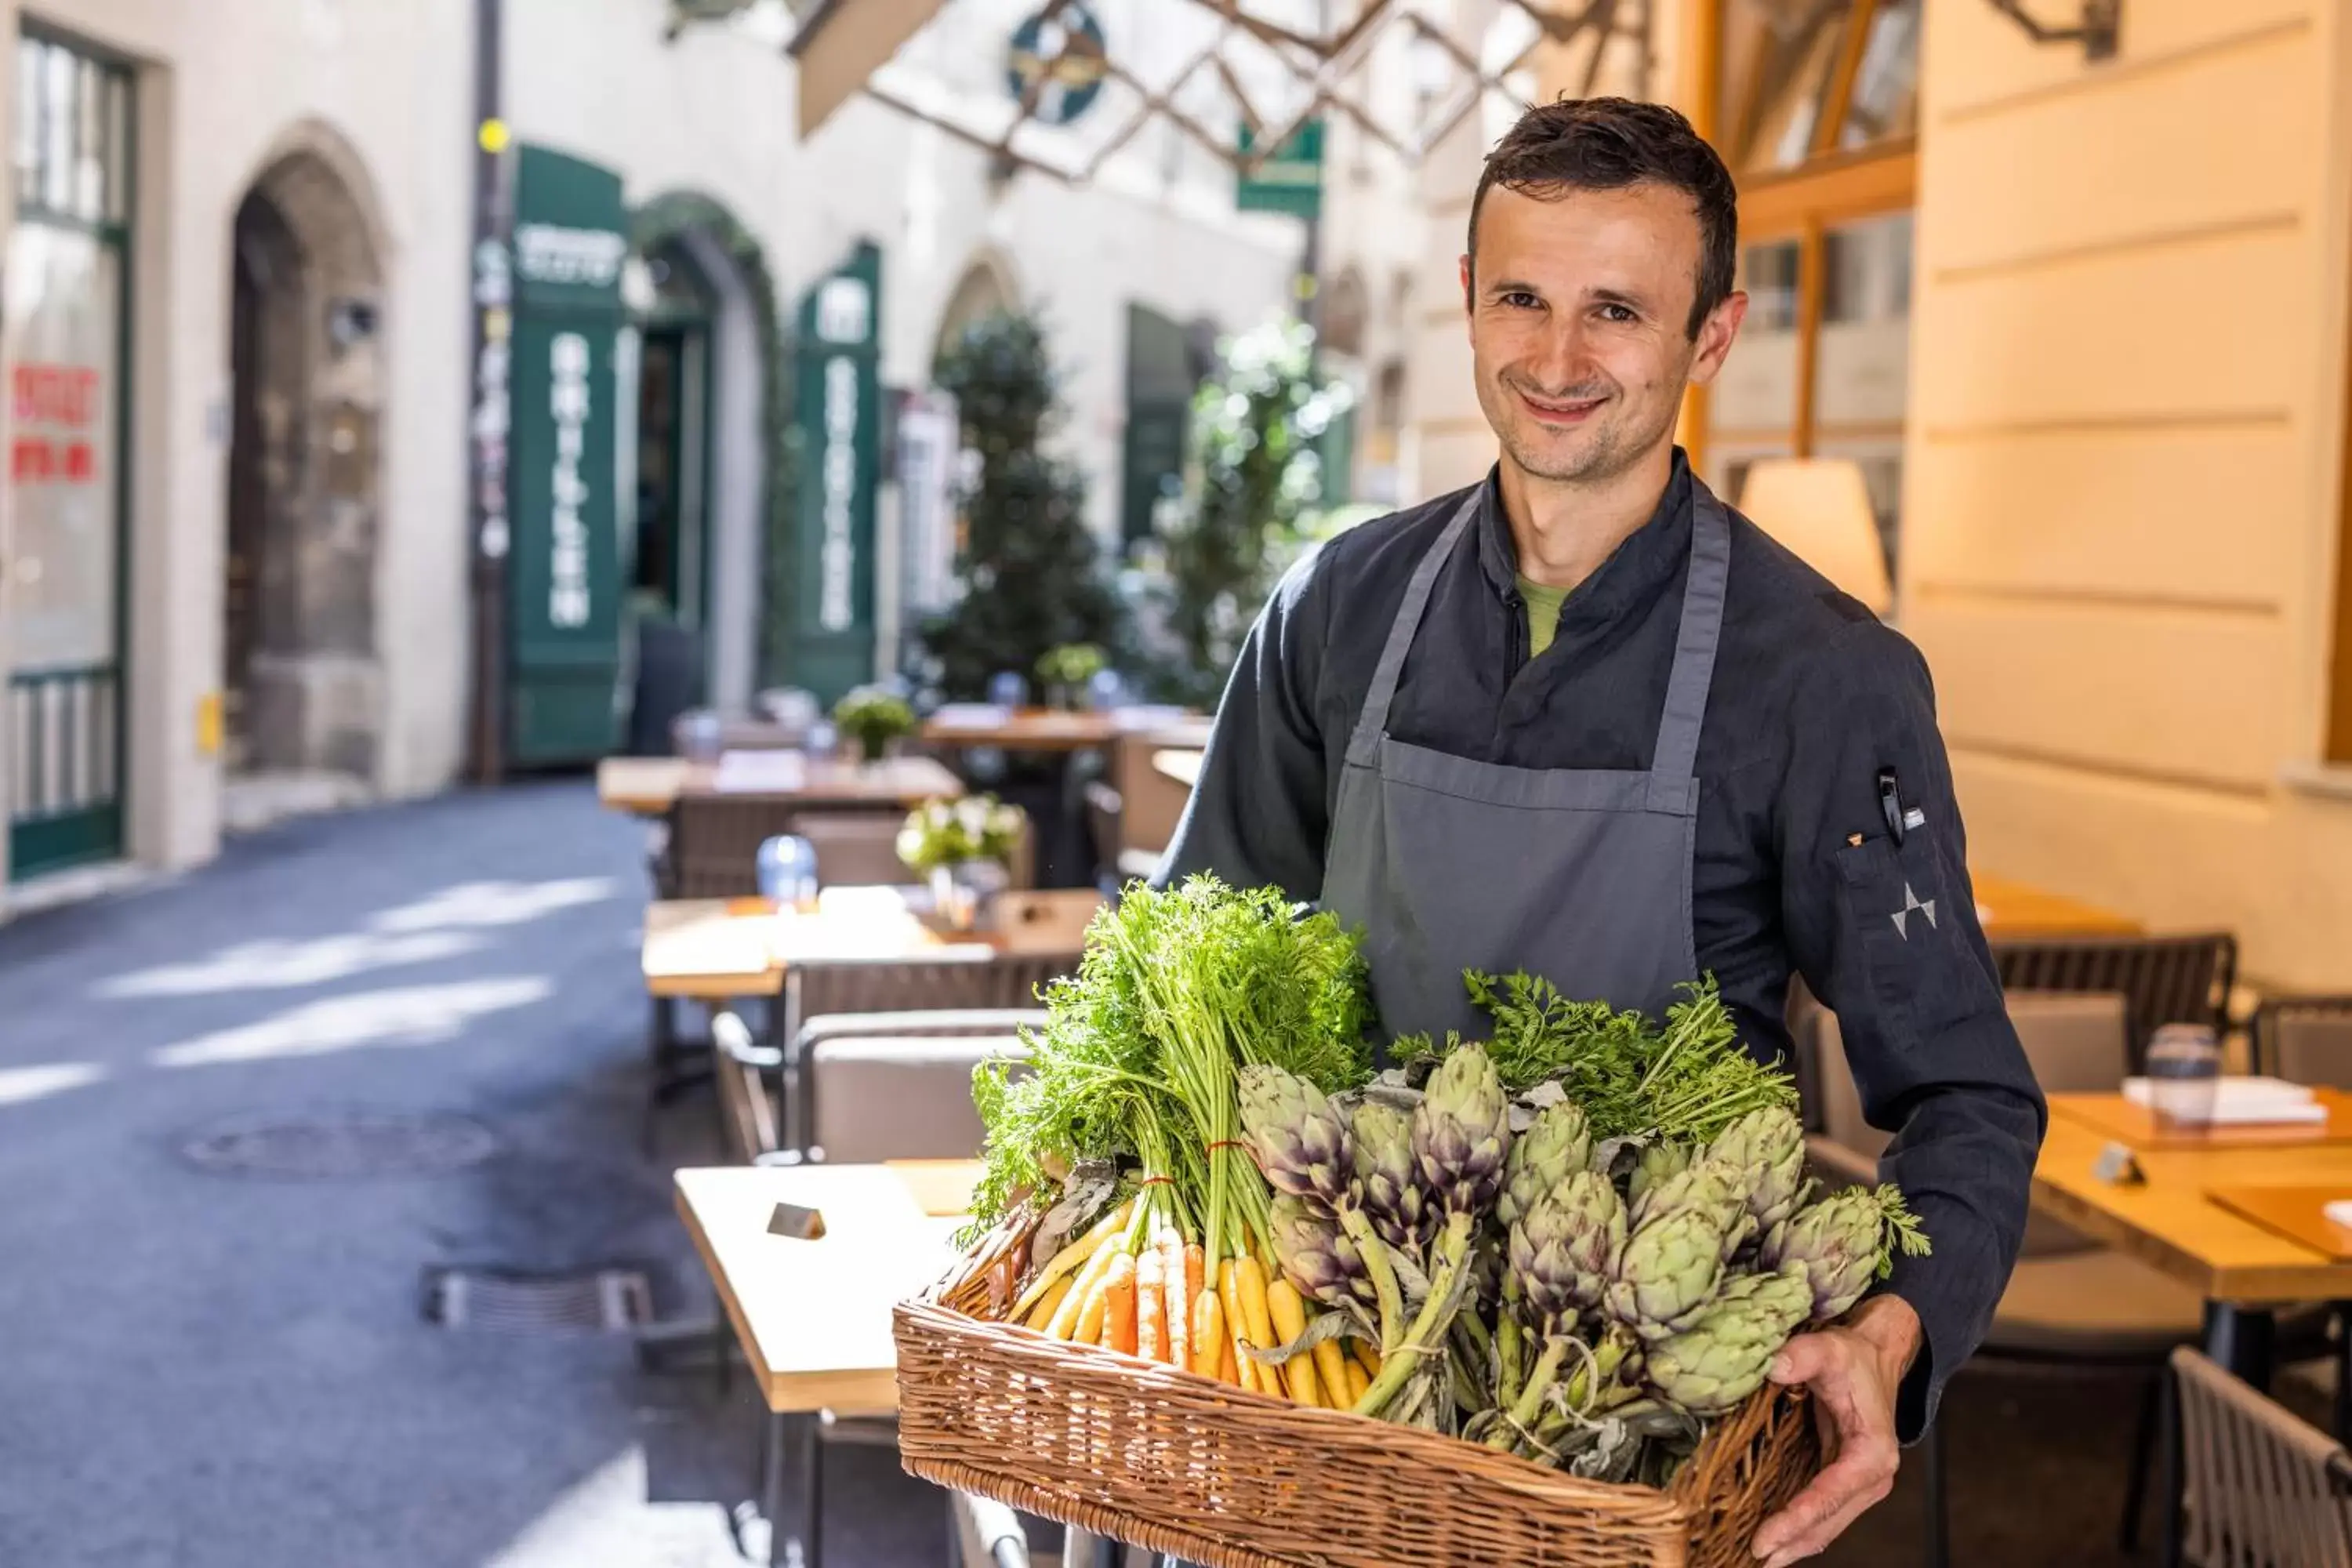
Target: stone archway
column 986, row 288
column 303, row 681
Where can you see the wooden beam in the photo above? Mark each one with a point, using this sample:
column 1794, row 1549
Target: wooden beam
column 840, row 45
column 1882, row 179
column 1811, row 253
column 1699, row 53
column 1831, row 123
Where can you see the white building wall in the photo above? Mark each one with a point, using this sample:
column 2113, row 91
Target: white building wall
column 218, row 98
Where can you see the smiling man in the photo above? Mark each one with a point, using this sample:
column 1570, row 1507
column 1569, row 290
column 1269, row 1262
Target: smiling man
column 1584, row 720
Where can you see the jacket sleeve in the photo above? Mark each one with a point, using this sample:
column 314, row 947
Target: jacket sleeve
column 1259, row 814
column 1885, row 933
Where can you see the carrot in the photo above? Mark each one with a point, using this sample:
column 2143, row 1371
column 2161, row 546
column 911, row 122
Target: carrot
column 1119, row 1313
column 1250, row 1280
column 1210, row 1345
column 1051, row 1302
column 1289, row 1318
column 1081, row 1314
column 1229, row 1294
column 1331, row 1374
column 1228, row 1371
column 1178, row 1304
column 1357, row 1382
column 1073, row 1258
column 1366, row 1356
column 1152, row 1305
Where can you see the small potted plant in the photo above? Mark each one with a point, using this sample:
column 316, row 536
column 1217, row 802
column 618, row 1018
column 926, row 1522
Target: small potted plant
column 873, row 718
column 1067, row 671
column 962, row 848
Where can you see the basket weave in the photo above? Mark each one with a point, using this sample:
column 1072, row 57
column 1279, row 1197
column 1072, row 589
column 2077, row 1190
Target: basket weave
column 1146, row 1454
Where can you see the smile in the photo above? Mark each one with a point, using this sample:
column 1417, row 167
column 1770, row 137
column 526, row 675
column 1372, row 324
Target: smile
column 1550, row 411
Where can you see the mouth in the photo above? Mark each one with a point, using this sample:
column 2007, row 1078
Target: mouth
column 1564, row 413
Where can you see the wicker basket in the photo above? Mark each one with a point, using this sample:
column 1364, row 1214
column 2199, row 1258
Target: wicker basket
column 1161, row 1458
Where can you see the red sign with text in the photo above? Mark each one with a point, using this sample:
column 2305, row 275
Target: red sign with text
column 54, row 406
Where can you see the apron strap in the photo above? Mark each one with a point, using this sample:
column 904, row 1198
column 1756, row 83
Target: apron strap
column 1373, row 719
column 1674, row 765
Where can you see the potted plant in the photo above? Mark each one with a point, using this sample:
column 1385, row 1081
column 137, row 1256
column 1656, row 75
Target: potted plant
column 1067, row 671
column 873, row 718
column 962, row 848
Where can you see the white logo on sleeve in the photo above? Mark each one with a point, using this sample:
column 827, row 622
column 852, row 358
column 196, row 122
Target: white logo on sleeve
column 1912, row 901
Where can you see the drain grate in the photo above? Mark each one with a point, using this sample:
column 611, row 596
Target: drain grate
column 514, row 1301
column 339, row 1144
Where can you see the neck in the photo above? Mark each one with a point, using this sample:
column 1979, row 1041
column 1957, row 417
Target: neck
column 1564, row 529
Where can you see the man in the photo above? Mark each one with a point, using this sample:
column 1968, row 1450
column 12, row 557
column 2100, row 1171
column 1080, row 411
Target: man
column 1581, row 719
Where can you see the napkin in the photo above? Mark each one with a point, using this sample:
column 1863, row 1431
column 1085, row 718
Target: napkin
column 2245, row 1099
column 973, row 715
column 755, row 771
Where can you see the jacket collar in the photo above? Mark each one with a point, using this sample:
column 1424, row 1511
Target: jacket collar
column 1637, row 569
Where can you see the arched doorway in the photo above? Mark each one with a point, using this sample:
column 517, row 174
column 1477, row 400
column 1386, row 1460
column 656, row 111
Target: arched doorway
column 302, row 685
column 711, row 524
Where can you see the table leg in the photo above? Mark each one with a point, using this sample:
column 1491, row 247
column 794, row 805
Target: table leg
column 2240, row 1339
column 812, row 1490
column 772, row 1487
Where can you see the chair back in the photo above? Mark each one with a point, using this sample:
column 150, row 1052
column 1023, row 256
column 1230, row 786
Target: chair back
column 2162, row 979
column 714, row 843
column 950, row 981
column 2259, row 1486
column 855, row 849
column 870, row 1098
column 1104, row 806
column 747, row 1110
column 2305, row 1039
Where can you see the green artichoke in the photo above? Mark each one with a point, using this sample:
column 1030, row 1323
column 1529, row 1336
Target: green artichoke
column 1321, row 1261
column 1843, row 1242
column 1462, row 1133
column 1387, row 1184
column 1706, row 1183
column 1565, row 1247
column 1298, row 1136
column 1670, row 1269
column 1656, row 1162
column 1721, row 1356
column 1768, row 1147
column 1558, row 1142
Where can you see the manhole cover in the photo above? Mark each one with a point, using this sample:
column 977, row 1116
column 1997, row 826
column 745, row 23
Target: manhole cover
column 340, row 1143
column 516, row 1301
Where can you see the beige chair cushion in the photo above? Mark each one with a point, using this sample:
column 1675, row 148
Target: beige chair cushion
column 854, row 849
column 2097, row 1304
column 899, row 1098
column 2314, row 1046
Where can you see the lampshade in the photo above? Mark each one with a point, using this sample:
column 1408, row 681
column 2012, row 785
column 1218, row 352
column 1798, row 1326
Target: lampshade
column 1820, row 508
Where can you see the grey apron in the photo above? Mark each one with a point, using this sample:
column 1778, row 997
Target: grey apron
column 1580, row 876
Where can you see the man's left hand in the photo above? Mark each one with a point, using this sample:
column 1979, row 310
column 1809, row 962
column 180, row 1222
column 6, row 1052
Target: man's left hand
column 1853, row 1371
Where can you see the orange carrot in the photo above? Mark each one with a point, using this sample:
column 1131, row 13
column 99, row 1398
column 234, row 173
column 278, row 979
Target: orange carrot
column 1195, row 1262
column 1118, row 1314
column 1069, row 1320
column 1227, row 1370
column 1152, row 1305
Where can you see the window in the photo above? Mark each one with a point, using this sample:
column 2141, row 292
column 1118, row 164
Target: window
column 1816, row 111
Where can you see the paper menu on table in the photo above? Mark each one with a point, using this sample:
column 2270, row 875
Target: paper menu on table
column 2244, row 1100
column 971, row 715
column 755, row 772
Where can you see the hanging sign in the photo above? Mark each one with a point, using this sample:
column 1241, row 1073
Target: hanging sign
column 838, row 404
column 1290, row 180
column 1057, row 62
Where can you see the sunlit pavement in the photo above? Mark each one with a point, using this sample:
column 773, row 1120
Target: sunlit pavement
column 210, row 1368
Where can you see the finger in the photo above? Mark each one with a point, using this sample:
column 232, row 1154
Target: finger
column 1804, row 1358
column 1858, row 1478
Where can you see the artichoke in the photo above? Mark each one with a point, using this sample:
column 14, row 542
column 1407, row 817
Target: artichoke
column 1386, row 1183
column 1656, row 1162
column 1462, row 1133
column 1707, row 1182
column 1843, row 1242
column 1723, row 1354
column 1558, row 1142
column 1300, row 1139
column 1768, row 1147
column 1565, row 1248
column 1318, row 1258
column 1669, row 1271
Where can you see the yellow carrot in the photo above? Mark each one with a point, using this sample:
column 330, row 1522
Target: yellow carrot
column 1290, row 1318
column 1229, row 1291
column 1118, row 1314
column 1228, row 1370
column 1071, row 1321
column 1073, row 1258
column 1051, row 1302
column 1366, row 1356
column 1331, row 1374
column 1152, row 1305
column 1210, row 1345
column 1357, row 1382
column 1250, row 1280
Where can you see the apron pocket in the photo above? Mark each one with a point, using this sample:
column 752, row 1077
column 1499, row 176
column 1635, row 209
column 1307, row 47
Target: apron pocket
column 1925, row 971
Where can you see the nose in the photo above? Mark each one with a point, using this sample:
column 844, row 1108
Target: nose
column 1560, row 359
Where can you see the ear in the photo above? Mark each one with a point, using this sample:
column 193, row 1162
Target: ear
column 1466, row 282
column 1716, row 335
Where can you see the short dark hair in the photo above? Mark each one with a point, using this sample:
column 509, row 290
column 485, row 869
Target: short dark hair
column 1609, row 144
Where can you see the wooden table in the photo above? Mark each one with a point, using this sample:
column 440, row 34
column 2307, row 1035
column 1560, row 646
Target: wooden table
column 648, row 787
column 1180, row 763
column 1024, row 729
column 715, row 950
column 2018, row 911
column 813, row 1315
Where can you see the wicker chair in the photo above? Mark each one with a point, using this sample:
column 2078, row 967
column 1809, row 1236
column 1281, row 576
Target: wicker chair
column 714, row 843
column 2307, row 1039
column 2259, row 1487
column 2162, row 979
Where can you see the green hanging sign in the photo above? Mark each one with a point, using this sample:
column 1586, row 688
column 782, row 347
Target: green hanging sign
column 837, row 405
column 563, row 571
column 1290, row 180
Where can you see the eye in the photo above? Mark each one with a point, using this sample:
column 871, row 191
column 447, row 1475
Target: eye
column 1519, row 299
column 1621, row 315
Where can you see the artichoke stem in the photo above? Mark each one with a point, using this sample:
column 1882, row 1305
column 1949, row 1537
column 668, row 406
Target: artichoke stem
column 1375, row 1254
column 1402, row 1360
column 1523, row 1410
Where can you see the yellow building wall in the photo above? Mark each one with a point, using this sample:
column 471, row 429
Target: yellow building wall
column 2123, row 459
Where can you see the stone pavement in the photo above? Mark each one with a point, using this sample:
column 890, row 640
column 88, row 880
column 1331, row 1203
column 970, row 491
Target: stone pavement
column 213, row 1369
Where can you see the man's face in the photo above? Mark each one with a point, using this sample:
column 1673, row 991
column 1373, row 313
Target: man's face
column 1580, row 309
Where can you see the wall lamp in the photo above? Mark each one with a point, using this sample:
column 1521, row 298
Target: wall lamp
column 2102, row 20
